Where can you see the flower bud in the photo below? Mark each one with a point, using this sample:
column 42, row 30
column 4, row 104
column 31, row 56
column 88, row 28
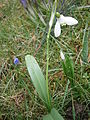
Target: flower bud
column 62, row 55
column 57, row 14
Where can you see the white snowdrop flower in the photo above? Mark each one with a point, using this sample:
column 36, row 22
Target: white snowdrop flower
column 51, row 19
column 63, row 20
column 62, row 55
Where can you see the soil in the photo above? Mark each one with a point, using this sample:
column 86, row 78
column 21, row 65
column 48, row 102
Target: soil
column 81, row 113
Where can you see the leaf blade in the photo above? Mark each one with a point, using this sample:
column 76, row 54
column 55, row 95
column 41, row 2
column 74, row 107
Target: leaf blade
column 37, row 77
column 53, row 115
column 85, row 46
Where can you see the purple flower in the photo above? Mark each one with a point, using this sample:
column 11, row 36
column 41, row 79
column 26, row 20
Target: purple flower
column 24, row 3
column 16, row 61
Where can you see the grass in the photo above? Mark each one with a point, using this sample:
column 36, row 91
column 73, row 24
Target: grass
column 18, row 37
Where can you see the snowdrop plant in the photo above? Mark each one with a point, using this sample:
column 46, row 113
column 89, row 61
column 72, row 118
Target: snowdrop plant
column 41, row 85
column 63, row 20
column 37, row 77
column 68, row 67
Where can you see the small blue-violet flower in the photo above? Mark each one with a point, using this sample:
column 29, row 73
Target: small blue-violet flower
column 16, row 61
column 24, row 3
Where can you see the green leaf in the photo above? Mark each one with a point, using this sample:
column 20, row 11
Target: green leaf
column 37, row 77
column 48, row 117
column 85, row 46
column 65, row 93
column 64, row 67
column 53, row 115
column 70, row 67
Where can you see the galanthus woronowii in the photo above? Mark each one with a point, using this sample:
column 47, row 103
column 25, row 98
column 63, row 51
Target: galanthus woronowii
column 63, row 20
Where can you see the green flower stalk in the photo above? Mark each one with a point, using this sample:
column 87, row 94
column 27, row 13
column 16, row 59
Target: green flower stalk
column 48, row 35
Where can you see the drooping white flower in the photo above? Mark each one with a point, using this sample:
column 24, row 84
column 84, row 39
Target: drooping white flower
column 62, row 55
column 61, row 21
column 57, row 29
column 51, row 19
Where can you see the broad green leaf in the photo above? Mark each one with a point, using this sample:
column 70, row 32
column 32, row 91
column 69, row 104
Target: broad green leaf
column 53, row 115
column 56, row 115
column 85, row 46
column 64, row 67
column 37, row 77
column 70, row 67
column 48, row 117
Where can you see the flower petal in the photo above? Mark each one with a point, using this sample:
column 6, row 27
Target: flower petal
column 16, row 61
column 62, row 55
column 57, row 29
column 70, row 20
column 62, row 19
column 51, row 19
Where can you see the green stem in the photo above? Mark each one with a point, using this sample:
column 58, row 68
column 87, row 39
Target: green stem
column 47, row 66
column 48, row 35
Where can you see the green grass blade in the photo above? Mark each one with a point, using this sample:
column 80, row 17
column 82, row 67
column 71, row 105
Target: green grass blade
column 85, row 46
column 6, row 87
column 26, row 87
column 65, row 94
column 37, row 77
column 73, row 109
